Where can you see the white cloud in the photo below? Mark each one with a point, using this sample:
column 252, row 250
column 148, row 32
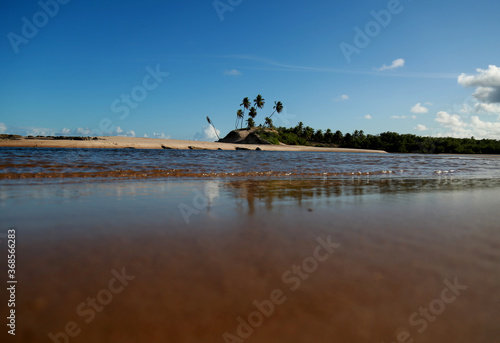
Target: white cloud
column 421, row 127
column 485, row 99
column 461, row 127
column 395, row 64
column 29, row 131
column 487, row 83
column 418, row 108
column 233, row 72
column 207, row 134
column 485, row 78
column 40, row 131
column 368, row 116
column 160, row 135
column 449, row 120
column 485, row 129
column 343, row 97
column 131, row 133
column 83, row 131
column 118, row 129
column 488, row 108
column 146, row 136
column 65, row 131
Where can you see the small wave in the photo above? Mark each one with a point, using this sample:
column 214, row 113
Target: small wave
column 185, row 173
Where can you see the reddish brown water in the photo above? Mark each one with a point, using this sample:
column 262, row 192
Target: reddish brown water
column 202, row 251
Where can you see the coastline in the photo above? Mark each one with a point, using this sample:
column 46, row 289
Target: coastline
column 114, row 142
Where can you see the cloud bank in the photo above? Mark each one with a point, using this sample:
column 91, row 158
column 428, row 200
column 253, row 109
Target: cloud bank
column 485, row 99
column 487, row 83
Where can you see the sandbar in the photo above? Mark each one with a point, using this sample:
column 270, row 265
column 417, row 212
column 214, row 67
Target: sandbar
column 116, row 142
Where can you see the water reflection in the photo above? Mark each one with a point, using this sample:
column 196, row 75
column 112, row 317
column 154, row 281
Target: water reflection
column 270, row 192
column 249, row 191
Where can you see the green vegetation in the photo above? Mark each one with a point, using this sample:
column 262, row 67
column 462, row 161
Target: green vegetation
column 388, row 141
column 272, row 137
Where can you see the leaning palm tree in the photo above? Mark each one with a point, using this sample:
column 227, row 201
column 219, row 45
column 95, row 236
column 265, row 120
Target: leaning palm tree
column 239, row 117
column 259, row 101
column 210, row 122
column 278, row 107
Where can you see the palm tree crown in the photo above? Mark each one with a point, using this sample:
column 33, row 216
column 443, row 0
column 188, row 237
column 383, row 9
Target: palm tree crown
column 278, row 107
column 246, row 103
column 259, row 101
column 253, row 112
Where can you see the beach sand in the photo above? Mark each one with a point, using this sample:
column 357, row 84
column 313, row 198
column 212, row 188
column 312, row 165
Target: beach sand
column 153, row 143
column 400, row 247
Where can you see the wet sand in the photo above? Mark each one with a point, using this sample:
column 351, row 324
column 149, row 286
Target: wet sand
column 402, row 243
column 153, row 143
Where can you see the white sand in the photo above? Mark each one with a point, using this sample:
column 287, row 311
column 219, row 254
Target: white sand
column 153, row 143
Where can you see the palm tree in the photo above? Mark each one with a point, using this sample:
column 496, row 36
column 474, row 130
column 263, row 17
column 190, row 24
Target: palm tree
column 299, row 128
column 210, row 122
column 278, row 107
column 250, row 123
column 308, row 133
column 269, row 122
column 252, row 113
column 259, row 101
column 246, row 105
column 239, row 116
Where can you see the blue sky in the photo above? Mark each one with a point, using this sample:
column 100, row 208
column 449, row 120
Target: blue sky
column 68, row 67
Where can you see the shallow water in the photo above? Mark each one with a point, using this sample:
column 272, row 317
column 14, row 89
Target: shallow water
column 201, row 251
column 29, row 163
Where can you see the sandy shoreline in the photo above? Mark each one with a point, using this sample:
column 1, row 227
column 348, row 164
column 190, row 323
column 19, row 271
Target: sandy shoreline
column 153, row 143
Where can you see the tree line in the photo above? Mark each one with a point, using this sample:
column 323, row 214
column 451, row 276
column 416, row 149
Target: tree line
column 388, row 141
